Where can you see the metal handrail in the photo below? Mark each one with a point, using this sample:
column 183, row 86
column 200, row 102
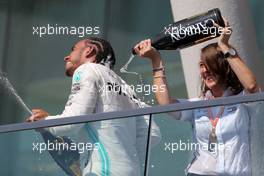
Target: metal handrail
column 132, row 113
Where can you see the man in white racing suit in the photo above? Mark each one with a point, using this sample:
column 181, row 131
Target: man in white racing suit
column 119, row 145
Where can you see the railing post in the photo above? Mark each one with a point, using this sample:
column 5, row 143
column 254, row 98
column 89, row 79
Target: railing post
column 148, row 146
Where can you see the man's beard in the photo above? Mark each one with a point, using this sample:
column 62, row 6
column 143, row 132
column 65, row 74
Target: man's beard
column 69, row 72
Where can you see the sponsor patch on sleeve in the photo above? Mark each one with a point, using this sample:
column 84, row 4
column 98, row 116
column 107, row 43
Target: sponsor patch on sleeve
column 77, row 77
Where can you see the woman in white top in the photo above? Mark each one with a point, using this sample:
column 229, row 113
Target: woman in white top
column 221, row 133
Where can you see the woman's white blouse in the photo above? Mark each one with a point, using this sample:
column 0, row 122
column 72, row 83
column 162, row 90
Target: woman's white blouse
column 231, row 155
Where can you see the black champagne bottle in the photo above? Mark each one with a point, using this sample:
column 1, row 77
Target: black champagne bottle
column 189, row 31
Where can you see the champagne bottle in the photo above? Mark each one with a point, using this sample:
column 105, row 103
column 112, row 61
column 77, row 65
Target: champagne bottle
column 189, row 31
column 66, row 158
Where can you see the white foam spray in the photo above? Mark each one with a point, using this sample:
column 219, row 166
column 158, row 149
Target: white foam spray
column 9, row 87
column 124, row 69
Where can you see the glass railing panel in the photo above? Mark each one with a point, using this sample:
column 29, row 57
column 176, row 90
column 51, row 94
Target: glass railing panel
column 109, row 147
column 164, row 158
column 239, row 139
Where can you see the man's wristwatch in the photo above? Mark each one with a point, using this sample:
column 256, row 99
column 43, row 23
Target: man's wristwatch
column 230, row 53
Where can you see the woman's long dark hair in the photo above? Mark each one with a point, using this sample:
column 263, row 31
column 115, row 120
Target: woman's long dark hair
column 213, row 58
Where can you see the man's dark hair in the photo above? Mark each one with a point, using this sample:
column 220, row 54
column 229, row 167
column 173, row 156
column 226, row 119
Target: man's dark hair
column 105, row 55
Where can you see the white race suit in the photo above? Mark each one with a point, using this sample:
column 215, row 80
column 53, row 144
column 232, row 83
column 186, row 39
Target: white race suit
column 119, row 145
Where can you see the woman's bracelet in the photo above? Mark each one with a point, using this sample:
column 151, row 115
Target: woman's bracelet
column 162, row 68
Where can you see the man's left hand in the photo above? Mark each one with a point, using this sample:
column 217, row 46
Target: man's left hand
column 38, row 114
column 223, row 41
